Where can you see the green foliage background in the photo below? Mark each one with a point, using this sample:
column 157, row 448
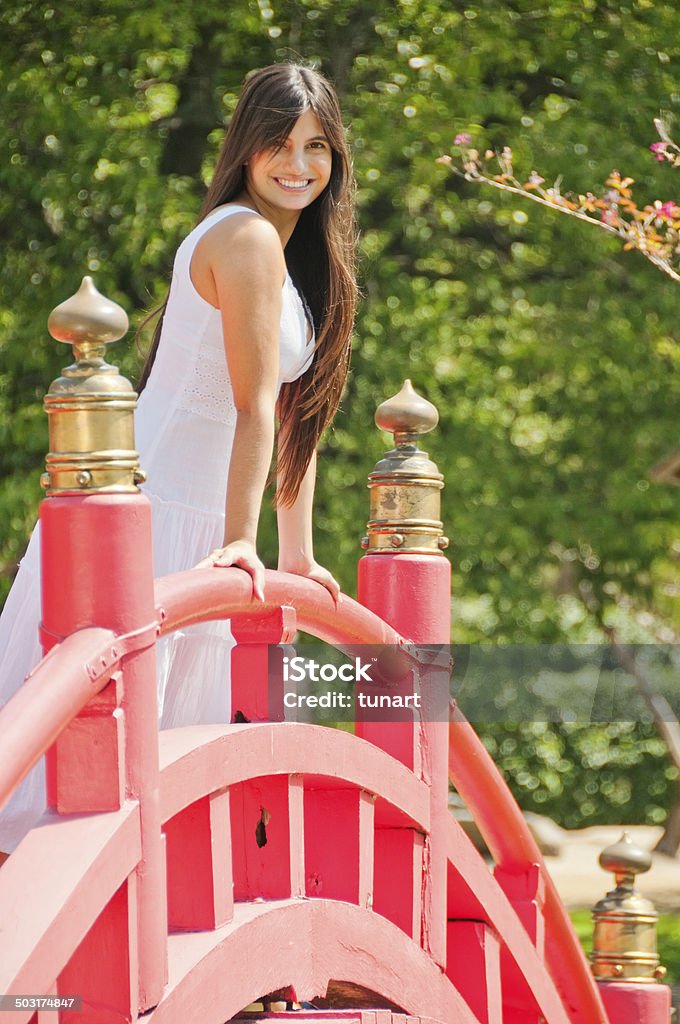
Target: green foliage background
column 551, row 356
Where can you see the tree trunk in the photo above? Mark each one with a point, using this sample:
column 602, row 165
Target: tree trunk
column 669, row 730
column 670, row 840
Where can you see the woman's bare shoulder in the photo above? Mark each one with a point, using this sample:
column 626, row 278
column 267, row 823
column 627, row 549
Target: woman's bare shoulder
column 245, row 232
column 243, row 247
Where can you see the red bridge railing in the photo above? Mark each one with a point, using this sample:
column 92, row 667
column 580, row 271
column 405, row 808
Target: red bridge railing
column 214, row 780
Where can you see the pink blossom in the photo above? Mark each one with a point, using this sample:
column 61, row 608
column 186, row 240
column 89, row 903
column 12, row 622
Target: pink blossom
column 660, row 150
column 462, row 139
column 667, row 210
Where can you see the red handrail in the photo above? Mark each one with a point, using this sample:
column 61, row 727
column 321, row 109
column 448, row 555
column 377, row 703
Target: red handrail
column 473, row 772
column 200, row 595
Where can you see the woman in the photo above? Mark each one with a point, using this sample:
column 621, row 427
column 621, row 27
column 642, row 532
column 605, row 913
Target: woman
column 257, row 325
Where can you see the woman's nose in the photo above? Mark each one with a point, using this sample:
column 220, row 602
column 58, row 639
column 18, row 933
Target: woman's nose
column 296, row 160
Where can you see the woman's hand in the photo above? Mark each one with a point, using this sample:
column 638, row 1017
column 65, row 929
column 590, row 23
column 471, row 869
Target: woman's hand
column 312, row 571
column 242, row 554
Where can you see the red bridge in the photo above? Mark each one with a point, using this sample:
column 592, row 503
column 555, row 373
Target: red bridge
column 186, row 875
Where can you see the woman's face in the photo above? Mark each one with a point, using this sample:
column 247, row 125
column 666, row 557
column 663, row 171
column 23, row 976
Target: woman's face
column 290, row 178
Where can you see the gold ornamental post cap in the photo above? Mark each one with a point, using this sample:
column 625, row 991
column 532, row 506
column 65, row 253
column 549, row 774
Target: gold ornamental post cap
column 88, row 316
column 405, row 484
column 90, row 407
column 625, row 859
column 407, row 415
column 624, row 939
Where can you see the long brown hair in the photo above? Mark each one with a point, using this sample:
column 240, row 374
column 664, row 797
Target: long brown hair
column 319, row 254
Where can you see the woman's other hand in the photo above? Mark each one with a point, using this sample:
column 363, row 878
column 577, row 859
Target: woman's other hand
column 242, row 554
column 312, row 571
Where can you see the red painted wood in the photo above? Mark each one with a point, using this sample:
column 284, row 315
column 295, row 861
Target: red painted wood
column 435, row 757
column 200, row 595
column 526, row 893
column 271, row 626
column 77, row 562
column 55, row 691
column 391, row 731
column 47, row 1016
column 296, row 824
column 197, row 760
column 303, row 943
column 630, row 1003
column 54, row 886
column 339, row 844
column 335, row 1016
column 266, row 829
column 414, row 589
column 474, row 967
column 366, row 858
column 93, row 746
column 474, row 893
column 109, row 993
column 256, row 668
column 398, row 880
column 413, row 594
column 485, row 792
column 198, row 843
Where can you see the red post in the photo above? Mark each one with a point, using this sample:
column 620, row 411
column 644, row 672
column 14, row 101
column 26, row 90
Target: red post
column 97, row 571
column 405, row 579
column 630, row 1003
column 256, row 664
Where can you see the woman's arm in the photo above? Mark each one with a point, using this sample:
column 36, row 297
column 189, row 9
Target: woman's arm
column 247, row 286
column 296, row 545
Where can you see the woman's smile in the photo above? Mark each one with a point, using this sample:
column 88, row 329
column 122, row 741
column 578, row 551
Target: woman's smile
column 294, row 184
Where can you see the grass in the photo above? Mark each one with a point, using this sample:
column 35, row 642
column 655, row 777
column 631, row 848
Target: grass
column 668, row 940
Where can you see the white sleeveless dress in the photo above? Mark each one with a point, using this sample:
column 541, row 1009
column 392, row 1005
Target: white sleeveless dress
column 184, row 430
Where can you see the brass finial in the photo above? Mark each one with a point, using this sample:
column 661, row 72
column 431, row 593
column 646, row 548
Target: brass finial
column 405, row 484
column 407, row 415
column 91, row 406
column 624, row 937
column 88, row 317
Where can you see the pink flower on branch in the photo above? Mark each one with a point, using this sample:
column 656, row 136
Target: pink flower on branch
column 660, row 150
column 666, row 211
column 653, row 230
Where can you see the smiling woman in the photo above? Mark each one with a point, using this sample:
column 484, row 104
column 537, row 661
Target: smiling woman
column 256, row 327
